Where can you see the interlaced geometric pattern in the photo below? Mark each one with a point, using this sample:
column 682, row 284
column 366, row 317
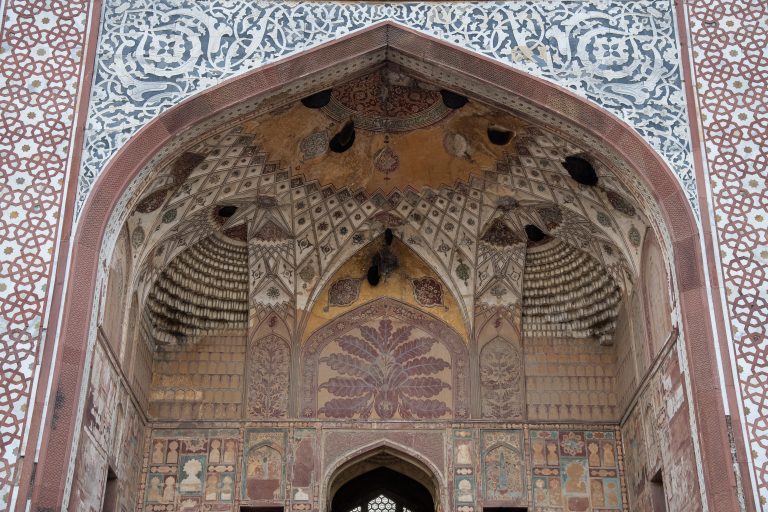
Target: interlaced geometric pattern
column 381, row 504
column 41, row 51
column 731, row 65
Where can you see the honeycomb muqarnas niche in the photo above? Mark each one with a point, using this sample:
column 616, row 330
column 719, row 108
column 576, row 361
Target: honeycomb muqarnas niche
column 241, row 309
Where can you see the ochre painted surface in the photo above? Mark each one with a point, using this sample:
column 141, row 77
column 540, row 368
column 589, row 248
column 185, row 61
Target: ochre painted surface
column 399, row 284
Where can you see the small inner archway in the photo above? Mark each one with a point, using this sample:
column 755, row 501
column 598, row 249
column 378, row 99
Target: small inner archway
column 382, row 489
column 383, row 480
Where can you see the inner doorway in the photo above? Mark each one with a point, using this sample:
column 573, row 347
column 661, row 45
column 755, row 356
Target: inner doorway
column 382, row 490
column 383, row 480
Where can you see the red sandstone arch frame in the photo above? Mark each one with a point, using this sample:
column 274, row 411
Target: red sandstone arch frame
column 50, row 482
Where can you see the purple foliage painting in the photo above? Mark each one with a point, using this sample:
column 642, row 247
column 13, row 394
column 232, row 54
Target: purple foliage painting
column 387, row 371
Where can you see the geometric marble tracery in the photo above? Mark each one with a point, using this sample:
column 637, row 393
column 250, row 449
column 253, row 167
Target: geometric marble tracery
column 731, row 69
column 41, row 56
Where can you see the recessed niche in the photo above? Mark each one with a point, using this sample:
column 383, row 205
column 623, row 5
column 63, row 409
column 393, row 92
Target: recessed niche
column 534, row 233
column 499, row 135
column 343, row 140
column 453, row 100
column 226, row 211
column 317, row 100
column 580, row 170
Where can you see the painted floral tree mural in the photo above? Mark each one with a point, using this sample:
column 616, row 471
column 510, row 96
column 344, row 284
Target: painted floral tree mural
column 385, row 370
column 268, row 384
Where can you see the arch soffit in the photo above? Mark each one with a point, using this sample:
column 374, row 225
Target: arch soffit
column 262, row 90
column 104, row 211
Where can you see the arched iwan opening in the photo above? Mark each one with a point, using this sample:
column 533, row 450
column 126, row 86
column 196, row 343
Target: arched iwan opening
column 215, row 261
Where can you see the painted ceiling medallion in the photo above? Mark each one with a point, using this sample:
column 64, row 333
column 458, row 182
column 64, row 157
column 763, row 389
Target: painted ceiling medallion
column 386, row 161
column 386, row 101
column 427, row 291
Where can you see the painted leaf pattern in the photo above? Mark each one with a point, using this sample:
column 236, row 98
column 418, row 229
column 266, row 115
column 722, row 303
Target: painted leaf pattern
column 387, row 372
column 268, row 379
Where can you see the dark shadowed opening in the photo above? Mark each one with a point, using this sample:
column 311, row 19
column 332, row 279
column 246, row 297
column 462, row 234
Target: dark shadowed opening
column 382, row 489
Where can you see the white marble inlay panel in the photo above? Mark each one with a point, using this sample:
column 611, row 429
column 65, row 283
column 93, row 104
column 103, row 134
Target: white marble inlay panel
column 623, row 55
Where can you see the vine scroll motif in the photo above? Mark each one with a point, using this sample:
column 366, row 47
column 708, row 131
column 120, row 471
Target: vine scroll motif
column 623, row 55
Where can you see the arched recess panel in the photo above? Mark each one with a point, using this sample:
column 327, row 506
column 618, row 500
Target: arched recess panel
column 384, row 454
column 264, row 473
column 412, row 281
column 531, row 95
column 656, row 286
column 382, row 489
column 114, row 298
column 268, row 368
column 504, row 469
column 386, row 360
column 502, row 380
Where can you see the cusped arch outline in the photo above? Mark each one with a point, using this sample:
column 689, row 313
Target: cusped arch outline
column 298, row 75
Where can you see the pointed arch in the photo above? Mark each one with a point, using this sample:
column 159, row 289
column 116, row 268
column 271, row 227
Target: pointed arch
column 416, row 280
column 384, row 453
column 431, row 365
column 502, row 380
column 114, row 193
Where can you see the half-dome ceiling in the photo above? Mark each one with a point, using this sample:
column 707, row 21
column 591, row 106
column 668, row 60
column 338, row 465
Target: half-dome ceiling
column 466, row 204
column 203, row 290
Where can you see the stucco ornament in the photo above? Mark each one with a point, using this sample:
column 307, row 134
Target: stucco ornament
column 623, row 55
